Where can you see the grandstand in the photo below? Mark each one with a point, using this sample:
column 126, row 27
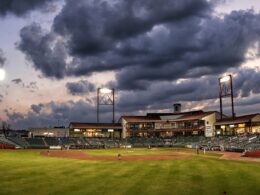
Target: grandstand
column 37, row 143
column 5, row 141
column 241, row 143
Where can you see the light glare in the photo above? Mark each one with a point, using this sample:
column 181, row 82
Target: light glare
column 2, row 74
column 105, row 90
column 224, row 79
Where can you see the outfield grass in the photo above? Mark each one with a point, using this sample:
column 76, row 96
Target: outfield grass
column 26, row 172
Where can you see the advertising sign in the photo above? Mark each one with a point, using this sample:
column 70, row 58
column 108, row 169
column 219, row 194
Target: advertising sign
column 209, row 131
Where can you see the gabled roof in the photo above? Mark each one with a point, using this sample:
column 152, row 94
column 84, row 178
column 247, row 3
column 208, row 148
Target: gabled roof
column 140, row 118
column 96, row 125
column 237, row 119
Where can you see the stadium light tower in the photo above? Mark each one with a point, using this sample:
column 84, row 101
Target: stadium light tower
column 105, row 96
column 2, row 74
column 225, row 89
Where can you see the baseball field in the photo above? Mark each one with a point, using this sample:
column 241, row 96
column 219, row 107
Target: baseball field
column 139, row 171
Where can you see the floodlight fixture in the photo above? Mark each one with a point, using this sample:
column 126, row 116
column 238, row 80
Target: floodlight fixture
column 105, row 90
column 225, row 89
column 106, row 96
column 225, row 79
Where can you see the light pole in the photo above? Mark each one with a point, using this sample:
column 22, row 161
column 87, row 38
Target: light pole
column 225, row 89
column 105, row 96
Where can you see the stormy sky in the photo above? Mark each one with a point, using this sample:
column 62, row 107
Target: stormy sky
column 56, row 53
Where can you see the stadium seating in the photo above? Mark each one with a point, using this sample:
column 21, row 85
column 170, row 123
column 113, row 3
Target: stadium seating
column 20, row 141
column 52, row 141
column 37, row 143
column 226, row 143
column 4, row 140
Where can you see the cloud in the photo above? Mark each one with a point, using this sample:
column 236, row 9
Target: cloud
column 22, row 7
column 17, row 81
column 197, row 93
column 160, row 95
column 161, row 52
column 55, row 113
column 148, row 41
column 192, row 50
column 246, row 82
column 32, row 85
column 37, row 108
column 46, row 54
column 2, row 58
column 94, row 27
column 1, row 97
column 92, row 41
column 13, row 115
column 80, row 88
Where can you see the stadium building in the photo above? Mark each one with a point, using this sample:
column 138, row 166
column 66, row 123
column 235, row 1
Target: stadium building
column 48, row 132
column 249, row 124
column 170, row 124
column 107, row 130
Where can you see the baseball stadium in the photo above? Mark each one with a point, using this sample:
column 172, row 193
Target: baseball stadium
column 192, row 152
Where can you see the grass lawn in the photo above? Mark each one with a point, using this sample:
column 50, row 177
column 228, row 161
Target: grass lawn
column 26, row 172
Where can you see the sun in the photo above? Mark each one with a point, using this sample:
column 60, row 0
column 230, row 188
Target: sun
column 2, row 74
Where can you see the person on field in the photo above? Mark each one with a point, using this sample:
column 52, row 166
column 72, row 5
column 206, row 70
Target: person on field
column 197, row 150
column 119, row 156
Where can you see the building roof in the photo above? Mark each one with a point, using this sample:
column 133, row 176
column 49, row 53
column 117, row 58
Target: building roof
column 141, row 118
column 236, row 120
column 156, row 117
column 173, row 113
column 194, row 116
column 95, row 125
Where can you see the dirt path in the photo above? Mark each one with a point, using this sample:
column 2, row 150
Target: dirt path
column 76, row 154
column 73, row 154
column 236, row 156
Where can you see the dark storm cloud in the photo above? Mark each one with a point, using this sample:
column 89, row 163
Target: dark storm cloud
column 163, row 94
column 21, row 7
column 80, row 88
column 94, row 31
column 17, row 81
column 247, row 82
column 150, row 45
column 95, row 26
column 143, row 41
column 46, row 54
column 2, row 58
column 211, row 48
column 37, row 108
